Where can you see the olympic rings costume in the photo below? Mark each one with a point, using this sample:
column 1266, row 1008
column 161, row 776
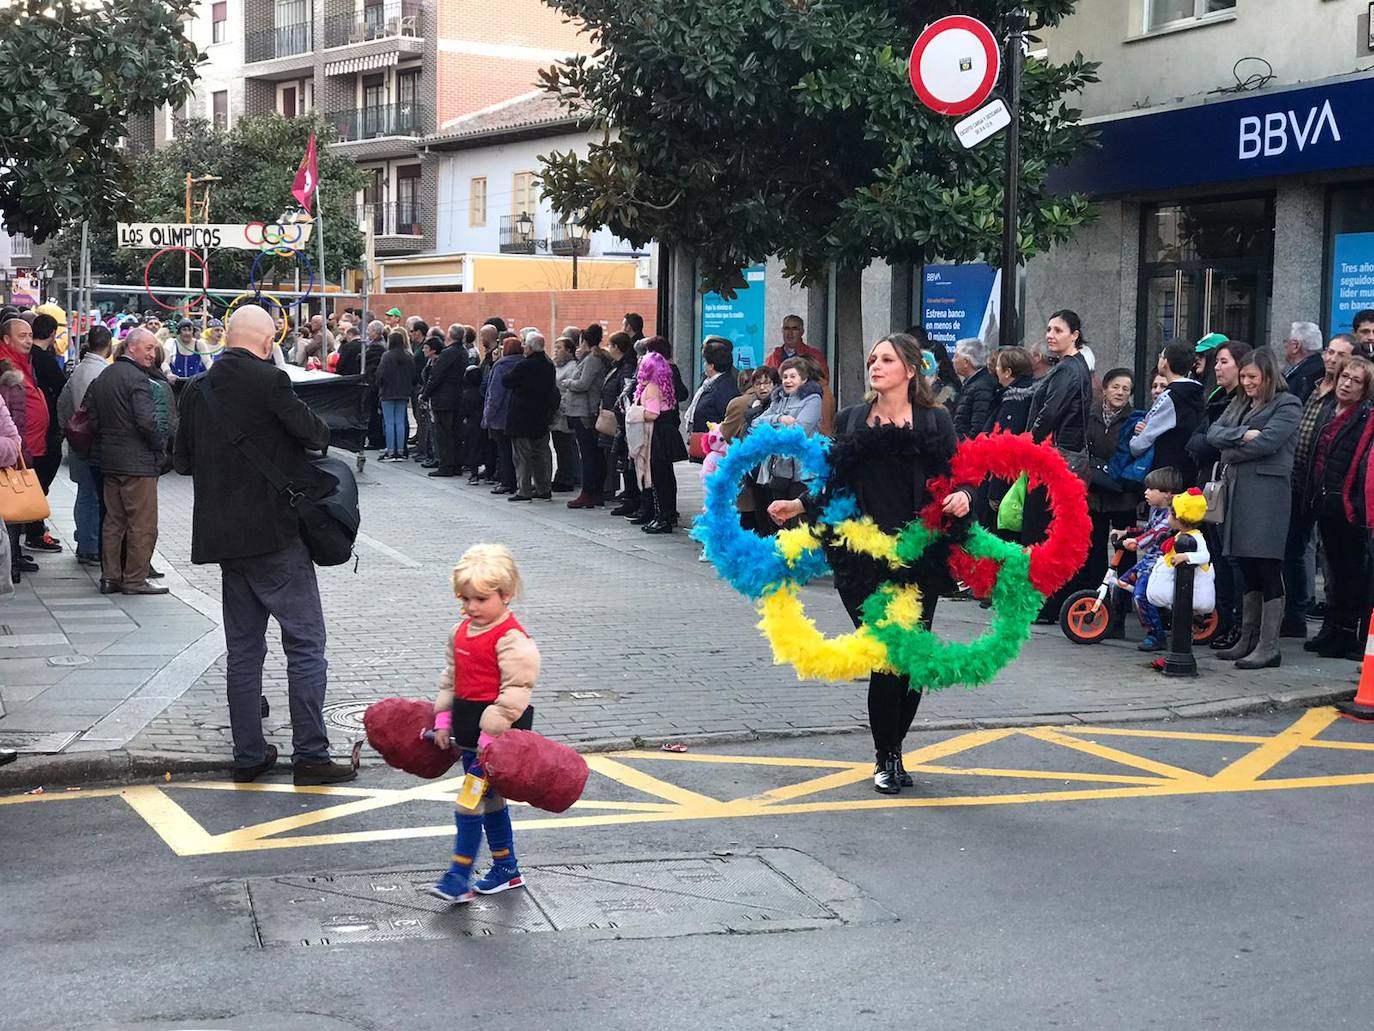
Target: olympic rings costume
column 771, row 571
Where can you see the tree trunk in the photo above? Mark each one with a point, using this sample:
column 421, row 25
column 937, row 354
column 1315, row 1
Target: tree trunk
column 850, row 381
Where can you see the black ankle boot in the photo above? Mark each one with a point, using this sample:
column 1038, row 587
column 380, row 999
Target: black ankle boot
column 886, row 779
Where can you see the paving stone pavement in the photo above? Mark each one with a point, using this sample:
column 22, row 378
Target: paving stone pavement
column 639, row 639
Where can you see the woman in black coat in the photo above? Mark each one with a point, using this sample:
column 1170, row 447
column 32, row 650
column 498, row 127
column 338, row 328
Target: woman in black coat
column 665, row 450
column 615, row 388
column 886, row 449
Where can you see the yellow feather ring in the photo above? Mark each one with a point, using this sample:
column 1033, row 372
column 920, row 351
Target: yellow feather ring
column 795, row 639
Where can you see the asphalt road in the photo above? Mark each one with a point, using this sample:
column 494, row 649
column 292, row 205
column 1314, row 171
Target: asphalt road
column 1086, row 878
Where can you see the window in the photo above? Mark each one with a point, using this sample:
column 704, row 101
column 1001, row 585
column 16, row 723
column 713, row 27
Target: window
column 408, row 200
column 477, row 202
column 1162, row 13
column 219, row 106
column 219, row 21
column 523, row 196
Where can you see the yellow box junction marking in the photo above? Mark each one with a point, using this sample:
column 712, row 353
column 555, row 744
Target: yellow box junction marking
column 1141, row 777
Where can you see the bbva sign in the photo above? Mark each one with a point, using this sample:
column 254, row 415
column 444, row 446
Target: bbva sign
column 1276, row 131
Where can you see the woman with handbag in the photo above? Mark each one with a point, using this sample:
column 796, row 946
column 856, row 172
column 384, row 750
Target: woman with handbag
column 667, row 447
column 797, row 402
column 1060, row 409
column 11, row 451
column 1257, row 437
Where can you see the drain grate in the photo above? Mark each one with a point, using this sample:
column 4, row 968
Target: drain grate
column 673, row 896
column 346, row 716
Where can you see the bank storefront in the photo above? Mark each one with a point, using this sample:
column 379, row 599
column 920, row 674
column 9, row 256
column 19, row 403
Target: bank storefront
column 1236, row 215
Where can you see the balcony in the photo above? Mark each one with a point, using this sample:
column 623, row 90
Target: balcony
column 280, row 41
column 399, row 19
column 394, row 218
column 370, row 123
column 20, row 247
column 565, row 243
column 517, row 237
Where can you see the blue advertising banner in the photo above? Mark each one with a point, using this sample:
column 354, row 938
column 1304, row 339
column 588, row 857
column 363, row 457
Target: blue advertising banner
column 1266, row 133
column 958, row 301
column 740, row 320
column 1352, row 278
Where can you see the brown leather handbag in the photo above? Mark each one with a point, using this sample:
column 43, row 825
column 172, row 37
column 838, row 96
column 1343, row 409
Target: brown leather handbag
column 21, row 495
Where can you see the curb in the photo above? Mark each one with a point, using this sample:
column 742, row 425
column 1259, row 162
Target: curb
column 138, row 767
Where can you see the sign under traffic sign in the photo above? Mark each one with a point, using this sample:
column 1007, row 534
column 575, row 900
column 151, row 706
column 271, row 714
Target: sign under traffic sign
column 954, row 65
column 254, row 236
column 977, row 127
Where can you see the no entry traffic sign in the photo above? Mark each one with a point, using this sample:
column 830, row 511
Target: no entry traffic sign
column 954, row 65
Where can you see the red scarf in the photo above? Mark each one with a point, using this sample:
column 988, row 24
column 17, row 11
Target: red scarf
column 36, row 418
column 1363, row 454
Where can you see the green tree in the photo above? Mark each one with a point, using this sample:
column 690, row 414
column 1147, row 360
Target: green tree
column 71, row 74
column 256, row 161
column 746, row 129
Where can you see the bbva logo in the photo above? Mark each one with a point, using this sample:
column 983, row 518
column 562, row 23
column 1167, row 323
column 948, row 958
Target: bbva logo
column 1272, row 135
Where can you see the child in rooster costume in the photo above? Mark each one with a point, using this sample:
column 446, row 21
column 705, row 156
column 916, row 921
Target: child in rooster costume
column 483, row 692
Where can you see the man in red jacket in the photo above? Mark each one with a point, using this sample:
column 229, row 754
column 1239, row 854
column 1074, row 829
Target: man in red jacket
column 794, row 346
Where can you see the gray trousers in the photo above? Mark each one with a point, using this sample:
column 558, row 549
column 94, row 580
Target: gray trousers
column 281, row 585
column 533, row 465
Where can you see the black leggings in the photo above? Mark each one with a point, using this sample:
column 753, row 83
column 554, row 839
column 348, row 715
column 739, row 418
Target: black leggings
column 1264, row 575
column 892, row 701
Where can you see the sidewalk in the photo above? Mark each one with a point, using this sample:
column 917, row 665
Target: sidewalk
column 641, row 643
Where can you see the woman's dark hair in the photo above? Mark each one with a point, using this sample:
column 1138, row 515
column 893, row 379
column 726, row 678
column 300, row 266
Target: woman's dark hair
column 946, row 375
column 719, row 353
column 592, row 335
column 1238, row 349
column 920, row 335
column 659, row 345
column 1272, row 382
column 396, row 338
column 622, row 342
column 1167, row 478
column 1070, row 318
column 802, row 365
column 909, row 353
column 1117, row 373
column 1016, row 360
column 469, row 335
column 764, row 372
column 636, row 323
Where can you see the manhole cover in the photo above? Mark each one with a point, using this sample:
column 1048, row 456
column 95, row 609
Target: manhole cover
column 69, row 660
column 346, row 715
column 769, row 890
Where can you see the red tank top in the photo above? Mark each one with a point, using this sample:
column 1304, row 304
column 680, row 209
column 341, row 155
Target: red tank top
column 476, row 673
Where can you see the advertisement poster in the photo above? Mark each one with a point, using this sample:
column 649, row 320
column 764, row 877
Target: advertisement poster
column 1352, row 278
column 24, row 290
column 740, row 321
column 959, row 302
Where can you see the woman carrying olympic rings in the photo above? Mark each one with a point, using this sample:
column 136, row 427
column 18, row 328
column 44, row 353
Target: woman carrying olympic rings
column 885, row 450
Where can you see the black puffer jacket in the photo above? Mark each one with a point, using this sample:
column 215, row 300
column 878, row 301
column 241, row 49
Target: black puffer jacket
column 976, row 403
column 1060, row 405
column 1013, row 408
column 128, row 441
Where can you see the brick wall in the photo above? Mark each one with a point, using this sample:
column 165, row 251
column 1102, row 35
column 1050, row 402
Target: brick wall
column 521, row 23
column 467, row 83
column 548, row 311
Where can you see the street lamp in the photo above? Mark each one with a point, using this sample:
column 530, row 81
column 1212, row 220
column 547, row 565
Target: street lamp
column 525, row 223
column 577, row 232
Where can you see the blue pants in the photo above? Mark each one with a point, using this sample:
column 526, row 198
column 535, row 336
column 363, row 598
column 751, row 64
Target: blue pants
column 280, row 584
column 89, row 510
column 396, row 426
column 1149, row 615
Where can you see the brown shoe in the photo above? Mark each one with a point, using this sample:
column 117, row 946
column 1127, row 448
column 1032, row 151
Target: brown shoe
column 144, row 588
column 109, row 586
column 308, row 774
column 247, row 774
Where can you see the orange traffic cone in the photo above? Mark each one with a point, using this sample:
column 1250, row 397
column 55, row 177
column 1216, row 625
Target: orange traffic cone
column 1362, row 706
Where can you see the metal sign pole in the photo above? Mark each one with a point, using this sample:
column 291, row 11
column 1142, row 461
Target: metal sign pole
column 1010, row 324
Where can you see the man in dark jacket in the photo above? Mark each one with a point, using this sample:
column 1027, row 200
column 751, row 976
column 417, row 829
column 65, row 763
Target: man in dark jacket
column 978, row 395
column 1176, row 413
column 350, row 361
column 1302, row 352
column 533, row 400
column 241, row 522
column 130, row 450
column 444, row 392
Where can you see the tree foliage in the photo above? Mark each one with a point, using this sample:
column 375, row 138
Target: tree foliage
column 744, row 129
column 71, row 74
column 256, row 161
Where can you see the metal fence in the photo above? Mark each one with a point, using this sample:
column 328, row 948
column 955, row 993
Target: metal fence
column 286, row 40
column 377, row 21
column 368, row 123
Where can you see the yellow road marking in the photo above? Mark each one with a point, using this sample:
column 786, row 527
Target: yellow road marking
column 650, row 785
column 1091, row 778
column 744, row 760
column 1265, row 757
column 177, row 827
column 1113, row 755
column 58, row 796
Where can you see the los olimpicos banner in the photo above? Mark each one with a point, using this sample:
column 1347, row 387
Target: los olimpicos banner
column 254, row 236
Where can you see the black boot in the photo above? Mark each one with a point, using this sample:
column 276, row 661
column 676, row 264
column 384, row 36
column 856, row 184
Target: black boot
column 1324, row 635
column 886, row 779
column 1343, row 641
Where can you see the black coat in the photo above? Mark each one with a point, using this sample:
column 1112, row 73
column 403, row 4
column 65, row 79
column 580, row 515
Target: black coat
column 123, row 419
column 976, row 402
column 350, row 361
column 48, row 376
column 471, row 405
column 445, row 387
column 1013, row 407
column 1304, row 379
column 713, row 401
column 534, row 398
column 236, row 512
column 372, row 359
column 1324, row 496
column 396, row 374
column 1059, row 406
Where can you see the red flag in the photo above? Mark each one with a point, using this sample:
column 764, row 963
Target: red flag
column 307, row 176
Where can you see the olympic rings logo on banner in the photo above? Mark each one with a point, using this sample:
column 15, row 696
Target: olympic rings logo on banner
column 891, row 635
column 272, row 236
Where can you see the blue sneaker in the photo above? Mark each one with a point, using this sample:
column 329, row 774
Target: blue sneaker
column 501, row 877
column 1151, row 644
column 453, row 887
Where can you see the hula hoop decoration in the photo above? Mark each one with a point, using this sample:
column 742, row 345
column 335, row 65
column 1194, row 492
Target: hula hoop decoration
column 891, row 636
column 204, row 280
column 256, row 288
column 258, row 298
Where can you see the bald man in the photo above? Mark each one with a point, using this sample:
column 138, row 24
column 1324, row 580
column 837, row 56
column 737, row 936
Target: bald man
column 130, row 422
column 251, row 530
